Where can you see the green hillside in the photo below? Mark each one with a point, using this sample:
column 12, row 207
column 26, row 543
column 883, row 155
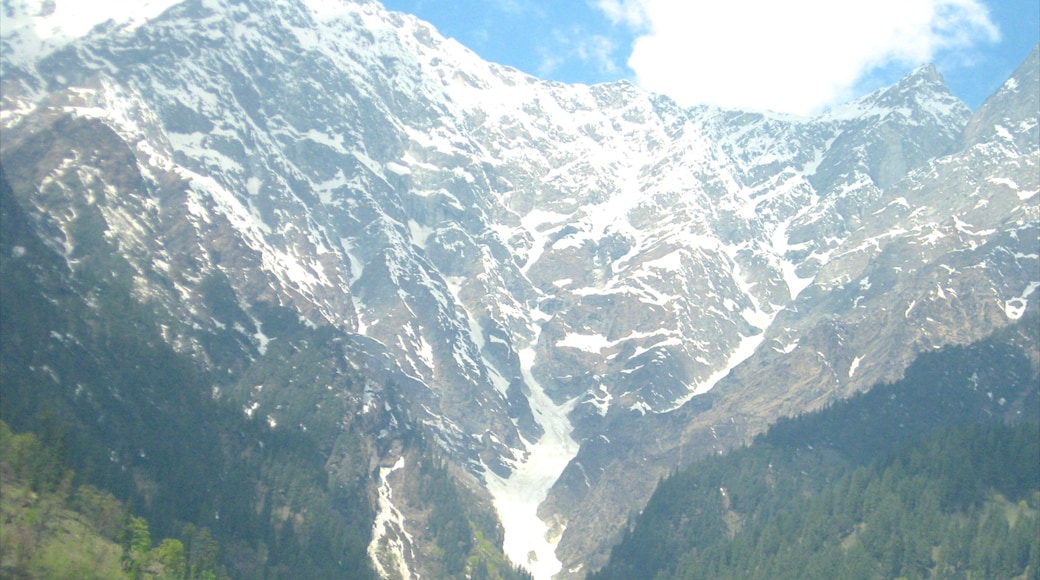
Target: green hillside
column 935, row 476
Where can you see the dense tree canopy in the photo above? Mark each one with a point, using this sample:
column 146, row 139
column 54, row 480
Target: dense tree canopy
column 917, row 479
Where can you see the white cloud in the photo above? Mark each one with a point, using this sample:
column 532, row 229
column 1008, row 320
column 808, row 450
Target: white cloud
column 628, row 12
column 598, row 50
column 794, row 56
column 595, row 50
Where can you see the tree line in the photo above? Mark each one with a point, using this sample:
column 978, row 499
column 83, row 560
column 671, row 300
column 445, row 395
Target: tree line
column 53, row 528
column 934, row 476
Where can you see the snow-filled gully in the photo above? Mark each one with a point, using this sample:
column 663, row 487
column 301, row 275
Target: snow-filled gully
column 518, row 496
column 388, row 533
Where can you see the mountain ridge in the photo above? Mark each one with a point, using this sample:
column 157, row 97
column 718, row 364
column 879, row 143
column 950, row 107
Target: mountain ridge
column 522, row 257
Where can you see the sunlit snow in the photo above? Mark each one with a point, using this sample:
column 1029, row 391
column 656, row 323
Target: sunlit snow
column 48, row 25
column 744, row 350
column 593, row 343
column 517, row 497
column 854, row 365
column 1016, row 307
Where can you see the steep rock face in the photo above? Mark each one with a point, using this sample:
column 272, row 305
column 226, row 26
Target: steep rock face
column 944, row 256
column 284, row 200
column 1009, row 115
column 684, row 222
column 516, row 258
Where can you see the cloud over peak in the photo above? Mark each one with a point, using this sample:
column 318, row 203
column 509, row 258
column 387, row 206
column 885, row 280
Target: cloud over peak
column 797, row 56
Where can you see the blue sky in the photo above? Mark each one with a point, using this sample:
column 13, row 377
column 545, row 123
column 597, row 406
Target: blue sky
column 794, row 56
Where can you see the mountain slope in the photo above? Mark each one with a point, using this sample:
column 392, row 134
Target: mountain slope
column 945, row 256
column 541, row 276
column 926, row 429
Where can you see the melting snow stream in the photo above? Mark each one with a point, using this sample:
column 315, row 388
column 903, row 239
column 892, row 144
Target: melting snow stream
column 517, row 497
column 389, row 528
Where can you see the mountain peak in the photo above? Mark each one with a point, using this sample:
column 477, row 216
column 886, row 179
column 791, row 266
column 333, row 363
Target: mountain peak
column 1009, row 115
column 922, row 85
column 921, row 90
column 525, row 259
column 31, row 29
column 926, row 74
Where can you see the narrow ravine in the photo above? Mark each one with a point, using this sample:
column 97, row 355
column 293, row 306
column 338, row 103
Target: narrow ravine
column 389, row 538
column 517, row 497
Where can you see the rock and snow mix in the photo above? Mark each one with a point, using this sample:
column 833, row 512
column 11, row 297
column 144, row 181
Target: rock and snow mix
column 484, row 227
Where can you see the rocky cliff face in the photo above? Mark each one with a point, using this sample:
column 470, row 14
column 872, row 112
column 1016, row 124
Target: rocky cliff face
column 584, row 282
column 942, row 256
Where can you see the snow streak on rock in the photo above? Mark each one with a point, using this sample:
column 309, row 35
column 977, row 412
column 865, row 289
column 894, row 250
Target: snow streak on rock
column 390, row 540
column 529, row 542
column 339, row 165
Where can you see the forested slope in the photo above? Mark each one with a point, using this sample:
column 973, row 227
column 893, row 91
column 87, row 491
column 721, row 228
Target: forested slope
column 934, row 476
column 84, row 366
column 139, row 420
column 52, row 528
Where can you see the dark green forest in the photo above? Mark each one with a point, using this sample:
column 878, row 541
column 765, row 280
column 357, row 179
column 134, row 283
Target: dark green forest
column 83, row 365
column 467, row 540
column 50, row 528
column 934, row 476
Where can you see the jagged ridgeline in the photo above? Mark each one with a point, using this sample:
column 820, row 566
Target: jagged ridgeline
column 277, row 261
column 933, row 476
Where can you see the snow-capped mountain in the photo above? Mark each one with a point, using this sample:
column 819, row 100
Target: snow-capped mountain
column 569, row 287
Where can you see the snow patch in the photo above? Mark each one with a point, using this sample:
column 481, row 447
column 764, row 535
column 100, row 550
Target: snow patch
column 642, row 407
column 425, row 352
column 787, row 349
column 516, row 498
column 789, row 270
column 594, row 343
column 1016, row 307
column 600, row 399
column 747, row 347
column 398, row 169
column 262, row 340
column 1003, row 181
column 854, row 366
column 965, row 228
column 909, row 308
column 420, row 234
